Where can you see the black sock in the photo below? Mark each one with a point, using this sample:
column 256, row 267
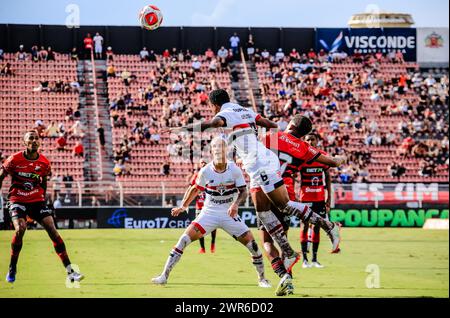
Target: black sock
column 314, row 252
column 278, row 267
column 305, row 251
column 213, row 237
column 202, row 242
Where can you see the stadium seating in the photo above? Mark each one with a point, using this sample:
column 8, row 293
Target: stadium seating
column 21, row 107
column 382, row 156
column 146, row 159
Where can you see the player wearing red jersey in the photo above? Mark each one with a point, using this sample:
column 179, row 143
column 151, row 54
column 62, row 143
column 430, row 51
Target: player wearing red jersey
column 315, row 191
column 293, row 153
column 29, row 171
column 198, row 208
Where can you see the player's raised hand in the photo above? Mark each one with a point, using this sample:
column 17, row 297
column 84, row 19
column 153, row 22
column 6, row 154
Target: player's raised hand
column 341, row 160
column 233, row 211
column 176, row 211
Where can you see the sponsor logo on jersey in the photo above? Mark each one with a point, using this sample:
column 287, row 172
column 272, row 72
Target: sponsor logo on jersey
column 289, row 141
column 223, row 201
column 29, row 175
column 308, row 189
column 27, row 193
column 313, row 170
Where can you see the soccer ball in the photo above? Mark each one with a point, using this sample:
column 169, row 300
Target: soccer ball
column 150, row 17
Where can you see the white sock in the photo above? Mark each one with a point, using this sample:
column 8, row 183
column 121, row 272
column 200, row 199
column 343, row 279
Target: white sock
column 304, row 213
column 257, row 258
column 175, row 254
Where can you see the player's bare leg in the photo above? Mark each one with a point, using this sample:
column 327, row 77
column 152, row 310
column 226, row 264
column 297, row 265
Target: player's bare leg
column 249, row 242
column 280, row 199
column 20, row 227
column 191, row 234
column 60, row 248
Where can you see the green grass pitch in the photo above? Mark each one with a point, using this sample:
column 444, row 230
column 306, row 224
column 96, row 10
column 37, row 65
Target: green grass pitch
column 120, row 263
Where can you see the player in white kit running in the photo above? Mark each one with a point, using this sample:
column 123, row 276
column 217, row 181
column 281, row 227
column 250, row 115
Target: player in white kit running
column 267, row 186
column 225, row 189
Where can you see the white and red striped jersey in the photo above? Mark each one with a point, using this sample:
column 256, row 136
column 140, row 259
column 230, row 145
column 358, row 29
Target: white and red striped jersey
column 255, row 156
column 221, row 188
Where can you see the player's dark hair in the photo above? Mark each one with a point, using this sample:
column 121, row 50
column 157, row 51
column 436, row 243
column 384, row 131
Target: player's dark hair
column 219, row 97
column 303, row 125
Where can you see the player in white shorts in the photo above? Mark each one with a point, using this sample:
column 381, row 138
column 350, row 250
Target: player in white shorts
column 267, row 186
column 225, row 189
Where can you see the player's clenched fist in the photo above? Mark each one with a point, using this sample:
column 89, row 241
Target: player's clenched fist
column 233, row 210
column 176, row 211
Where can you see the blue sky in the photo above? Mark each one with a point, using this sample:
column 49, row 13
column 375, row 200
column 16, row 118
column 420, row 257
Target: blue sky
column 257, row 13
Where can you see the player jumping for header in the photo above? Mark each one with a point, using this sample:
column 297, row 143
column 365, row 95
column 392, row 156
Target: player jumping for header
column 263, row 167
column 225, row 189
column 29, row 171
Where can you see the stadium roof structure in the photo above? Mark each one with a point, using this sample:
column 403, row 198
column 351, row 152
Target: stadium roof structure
column 381, row 20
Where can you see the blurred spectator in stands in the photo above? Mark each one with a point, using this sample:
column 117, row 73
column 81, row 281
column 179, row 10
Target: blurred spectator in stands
column 1, row 54
column 75, row 86
column 399, row 57
column 427, row 168
column 265, row 55
column 39, row 127
column 222, row 53
column 111, row 71
column 144, row 54
column 294, row 56
column 165, row 169
column 94, row 201
column 78, row 150
column 43, row 54
column 101, row 135
column 35, row 53
column 57, row 204
column 6, row 70
column 209, row 54
column 2, row 158
column 155, row 137
column 21, row 55
column 61, row 142
column 311, row 54
column 396, row 170
column 234, row 43
column 74, row 55
column 88, row 43
column 77, row 129
column 69, row 114
column 196, row 65
column 212, row 65
column 279, row 56
column 250, row 48
column 50, row 54
column 52, row 130
column 109, row 54
column 98, row 43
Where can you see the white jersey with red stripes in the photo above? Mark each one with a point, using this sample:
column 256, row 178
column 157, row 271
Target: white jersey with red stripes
column 220, row 188
column 256, row 158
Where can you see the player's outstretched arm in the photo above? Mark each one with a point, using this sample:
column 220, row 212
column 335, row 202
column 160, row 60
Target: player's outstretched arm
column 216, row 122
column 191, row 193
column 335, row 161
column 242, row 196
column 264, row 122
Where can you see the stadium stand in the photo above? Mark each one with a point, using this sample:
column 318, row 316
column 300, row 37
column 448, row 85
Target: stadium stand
column 44, row 93
column 371, row 107
column 146, row 96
